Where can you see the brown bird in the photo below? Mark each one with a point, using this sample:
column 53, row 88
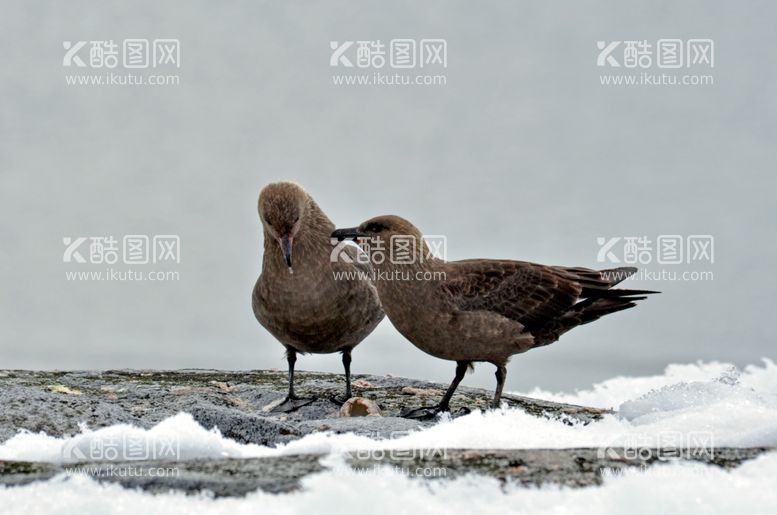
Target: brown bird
column 481, row 309
column 309, row 302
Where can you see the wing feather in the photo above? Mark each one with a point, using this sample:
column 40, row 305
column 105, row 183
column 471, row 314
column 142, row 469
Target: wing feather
column 528, row 293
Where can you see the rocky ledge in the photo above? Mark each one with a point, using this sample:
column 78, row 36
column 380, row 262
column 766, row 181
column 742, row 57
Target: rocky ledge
column 282, row 474
column 240, row 405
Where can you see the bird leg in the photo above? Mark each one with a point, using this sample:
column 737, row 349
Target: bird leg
column 501, row 374
column 444, row 405
column 292, row 402
column 347, row 368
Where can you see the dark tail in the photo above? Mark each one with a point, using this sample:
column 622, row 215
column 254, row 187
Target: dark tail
column 597, row 299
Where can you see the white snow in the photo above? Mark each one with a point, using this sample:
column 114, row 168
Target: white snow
column 715, row 400
column 672, row 488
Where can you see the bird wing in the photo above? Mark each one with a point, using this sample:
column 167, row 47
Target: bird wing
column 528, row 293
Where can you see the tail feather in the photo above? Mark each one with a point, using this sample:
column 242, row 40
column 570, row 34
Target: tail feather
column 598, row 299
column 593, row 309
column 617, row 293
column 618, row 275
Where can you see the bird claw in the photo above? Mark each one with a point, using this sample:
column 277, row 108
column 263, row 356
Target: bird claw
column 338, row 399
column 422, row 413
column 292, row 404
column 427, row 413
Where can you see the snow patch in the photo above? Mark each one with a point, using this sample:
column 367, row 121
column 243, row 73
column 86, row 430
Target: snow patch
column 671, row 488
column 733, row 409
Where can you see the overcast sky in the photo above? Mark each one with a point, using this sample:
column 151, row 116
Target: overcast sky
column 521, row 154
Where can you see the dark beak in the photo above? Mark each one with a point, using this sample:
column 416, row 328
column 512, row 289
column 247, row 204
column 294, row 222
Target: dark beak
column 286, row 242
column 352, row 233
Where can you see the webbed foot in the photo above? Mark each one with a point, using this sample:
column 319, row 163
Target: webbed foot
column 422, row 413
column 290, row 404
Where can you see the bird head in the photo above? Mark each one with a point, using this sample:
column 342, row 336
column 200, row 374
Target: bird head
column 394, row 235
column 282, row 207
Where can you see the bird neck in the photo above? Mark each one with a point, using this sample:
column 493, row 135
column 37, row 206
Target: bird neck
column 406, row 276
column 404, row 287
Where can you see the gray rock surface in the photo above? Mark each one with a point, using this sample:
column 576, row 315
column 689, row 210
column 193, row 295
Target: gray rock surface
column 237, row 477
column 238, row 404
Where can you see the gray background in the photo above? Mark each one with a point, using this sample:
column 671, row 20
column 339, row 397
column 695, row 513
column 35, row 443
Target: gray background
column 523, row 154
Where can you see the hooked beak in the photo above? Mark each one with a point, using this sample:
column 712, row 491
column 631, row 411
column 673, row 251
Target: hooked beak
column 286, row 242
column 351, row 233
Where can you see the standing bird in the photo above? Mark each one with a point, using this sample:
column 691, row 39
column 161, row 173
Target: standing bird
column 482, row 309
column 308, row 302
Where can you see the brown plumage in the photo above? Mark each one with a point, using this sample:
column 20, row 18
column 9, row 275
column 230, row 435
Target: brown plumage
column 484, row 309
column 297, row 297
